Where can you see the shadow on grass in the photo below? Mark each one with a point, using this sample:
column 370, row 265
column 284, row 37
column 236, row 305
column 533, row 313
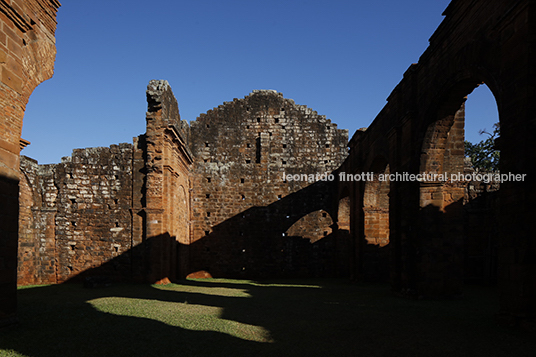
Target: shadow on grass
column 283, row 318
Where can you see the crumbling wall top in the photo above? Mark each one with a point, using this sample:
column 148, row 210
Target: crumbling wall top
column 265, row 91
column 160, row 97
column 162, row 104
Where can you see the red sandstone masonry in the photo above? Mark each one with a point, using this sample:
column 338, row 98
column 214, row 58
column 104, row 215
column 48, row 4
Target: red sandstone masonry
column 93, row 223
column 37, row 242
column 27, row 52
column 165, row 206
column 247, row 221
column 120, row 212
column 75, row 215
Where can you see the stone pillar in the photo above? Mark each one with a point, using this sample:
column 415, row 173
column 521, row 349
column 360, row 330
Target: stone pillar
column 167, row 164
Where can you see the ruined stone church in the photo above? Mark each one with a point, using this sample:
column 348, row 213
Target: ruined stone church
column 215, row 195
column 212, row 196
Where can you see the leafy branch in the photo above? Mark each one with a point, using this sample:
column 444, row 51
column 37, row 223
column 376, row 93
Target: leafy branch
column 484, row 155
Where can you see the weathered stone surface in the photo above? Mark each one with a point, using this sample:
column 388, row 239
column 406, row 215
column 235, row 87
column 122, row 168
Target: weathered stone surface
column 163, row 205
column 248, row 219
column 79, row 215
column 199, row 275
column 119, row 212
column 163, row 281
column 27, row 52
column 125, row 211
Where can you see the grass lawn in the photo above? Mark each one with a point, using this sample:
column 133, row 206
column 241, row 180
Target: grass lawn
column 220, row 317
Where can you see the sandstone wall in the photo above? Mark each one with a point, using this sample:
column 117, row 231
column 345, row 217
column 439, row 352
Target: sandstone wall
column 162, row 184
column 75, row 216
column 37, row 227
column 147, row 212
column 93, row 220
column 120, row 212
column 27, row 52
column 247, row 219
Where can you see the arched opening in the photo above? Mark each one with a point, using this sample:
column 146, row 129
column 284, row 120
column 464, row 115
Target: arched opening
column 481, row 195
column 314, row 226
column 311, row 246
column 481, row 114
column 451, row 227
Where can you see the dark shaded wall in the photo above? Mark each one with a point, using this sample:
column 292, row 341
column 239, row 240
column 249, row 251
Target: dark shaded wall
column 481, row 227
column 421, row 130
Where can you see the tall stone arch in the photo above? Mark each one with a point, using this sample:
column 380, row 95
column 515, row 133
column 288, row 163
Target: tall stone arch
column 27, row 54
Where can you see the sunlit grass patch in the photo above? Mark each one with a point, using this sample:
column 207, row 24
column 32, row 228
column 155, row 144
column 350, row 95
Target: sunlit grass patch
column 184, row 315
column 223, row 317
column 240, row 290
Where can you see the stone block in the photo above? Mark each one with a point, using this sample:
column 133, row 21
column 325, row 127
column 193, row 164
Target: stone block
column 11, row 79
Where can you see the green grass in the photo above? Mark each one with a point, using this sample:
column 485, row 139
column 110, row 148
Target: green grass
column 220, row 317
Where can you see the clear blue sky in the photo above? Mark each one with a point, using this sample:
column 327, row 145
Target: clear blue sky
column 341, row 58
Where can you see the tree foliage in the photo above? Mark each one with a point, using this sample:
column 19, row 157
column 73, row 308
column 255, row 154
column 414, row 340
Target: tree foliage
column 484, row 155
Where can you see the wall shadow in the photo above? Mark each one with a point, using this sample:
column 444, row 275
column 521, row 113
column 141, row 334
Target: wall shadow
column 62, row 321
column 310, row 317
column 443, row 250
column 481, row 222
column 256, row 243
column 253, row 244
column 9, row 211
column 152, row 261
column 376, row 263
column 90, row 332
column 439, row 251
